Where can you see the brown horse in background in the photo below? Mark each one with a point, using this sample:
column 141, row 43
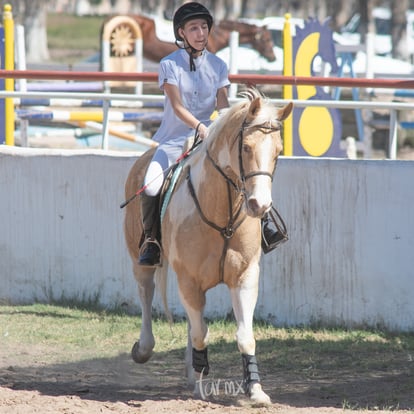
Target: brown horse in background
column 258, row 37
column 211, row 231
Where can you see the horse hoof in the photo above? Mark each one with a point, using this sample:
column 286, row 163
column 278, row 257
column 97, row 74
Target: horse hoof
column 198, row 393
column 138, row 356
column 258, row 397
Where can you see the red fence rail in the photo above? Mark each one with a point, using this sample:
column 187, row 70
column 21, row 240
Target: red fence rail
column 238, row 78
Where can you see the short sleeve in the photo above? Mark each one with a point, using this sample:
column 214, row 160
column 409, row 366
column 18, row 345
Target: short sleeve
column 224, row 76
column 167, row 73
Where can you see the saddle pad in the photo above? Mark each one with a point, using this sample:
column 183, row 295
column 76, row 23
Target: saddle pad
column 171, row 181
column 171, row 185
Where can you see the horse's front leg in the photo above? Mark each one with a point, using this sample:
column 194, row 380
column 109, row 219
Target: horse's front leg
column 193, row 300
column 244, row 298
column 142, row 349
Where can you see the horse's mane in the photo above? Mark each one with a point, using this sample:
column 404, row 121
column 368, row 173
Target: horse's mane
column 235, row 114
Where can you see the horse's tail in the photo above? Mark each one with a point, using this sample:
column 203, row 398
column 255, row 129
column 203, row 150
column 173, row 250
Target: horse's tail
column 161, row 275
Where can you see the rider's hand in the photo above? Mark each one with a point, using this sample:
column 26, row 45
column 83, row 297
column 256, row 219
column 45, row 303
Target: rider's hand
column 202, row 131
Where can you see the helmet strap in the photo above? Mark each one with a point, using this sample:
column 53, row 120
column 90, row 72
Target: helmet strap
column 192, row 64
column 191, row 51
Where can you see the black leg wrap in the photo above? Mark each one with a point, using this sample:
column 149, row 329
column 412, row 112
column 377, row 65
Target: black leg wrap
column 200, row 361
column 250, row 372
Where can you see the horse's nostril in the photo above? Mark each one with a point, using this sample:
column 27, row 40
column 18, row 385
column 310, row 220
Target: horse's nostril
column 256, row 208
column 253, row 205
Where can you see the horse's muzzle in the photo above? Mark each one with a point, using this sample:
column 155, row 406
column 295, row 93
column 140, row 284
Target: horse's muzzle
column 255, row 209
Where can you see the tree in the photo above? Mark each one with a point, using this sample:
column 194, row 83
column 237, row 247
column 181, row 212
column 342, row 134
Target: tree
column 399, row 29
column 366, row 22
column 32, row 14
column 340, row 11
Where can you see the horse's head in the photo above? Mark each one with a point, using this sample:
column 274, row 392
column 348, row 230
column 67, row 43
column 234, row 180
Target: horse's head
column 146, row 24
column 248, row 156
column 259, row 37
column 263, row 43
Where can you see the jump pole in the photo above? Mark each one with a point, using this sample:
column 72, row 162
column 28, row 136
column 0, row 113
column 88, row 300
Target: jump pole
column 120, row 134
column 8, row 25
column 287, row 89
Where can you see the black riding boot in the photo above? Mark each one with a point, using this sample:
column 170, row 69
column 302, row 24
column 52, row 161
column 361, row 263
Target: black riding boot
column 271, row 235
column 150, row 252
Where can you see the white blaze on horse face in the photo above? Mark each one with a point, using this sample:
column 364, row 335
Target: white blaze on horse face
column 259, row 187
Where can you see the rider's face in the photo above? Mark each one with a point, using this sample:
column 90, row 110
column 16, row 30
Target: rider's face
column 195, row 32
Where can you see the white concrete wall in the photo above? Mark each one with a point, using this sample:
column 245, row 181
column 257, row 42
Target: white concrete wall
column 348, row 261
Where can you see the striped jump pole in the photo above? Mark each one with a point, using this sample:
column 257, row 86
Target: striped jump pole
column 119, row 134
column 97, row 116
column 97, row 120
column 83, row 103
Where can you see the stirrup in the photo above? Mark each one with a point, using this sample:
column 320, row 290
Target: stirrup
column 150, row 243
column 276, row 219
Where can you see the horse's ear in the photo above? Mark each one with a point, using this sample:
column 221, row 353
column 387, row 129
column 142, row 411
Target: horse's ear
column 283, row 113
column 254, row 108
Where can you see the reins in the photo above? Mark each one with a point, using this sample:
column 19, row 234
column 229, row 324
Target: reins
column 184, row 155
column 228, row 231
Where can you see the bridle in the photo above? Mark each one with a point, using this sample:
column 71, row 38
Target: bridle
column 234, row 220
column 243, row 177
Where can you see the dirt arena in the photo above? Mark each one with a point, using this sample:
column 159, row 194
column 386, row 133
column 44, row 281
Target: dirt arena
column 49, row 379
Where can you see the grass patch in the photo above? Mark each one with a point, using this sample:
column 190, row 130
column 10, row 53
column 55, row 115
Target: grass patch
column 59, row 326
column 76, row 325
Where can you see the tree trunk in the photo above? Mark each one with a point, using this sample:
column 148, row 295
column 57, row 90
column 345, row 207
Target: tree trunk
column 32, row 15
column 399, row 29
column 367, row 21
column 35, row 31
column 340, row 11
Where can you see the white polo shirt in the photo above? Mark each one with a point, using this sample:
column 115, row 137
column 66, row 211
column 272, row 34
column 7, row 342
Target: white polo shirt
column 198, row 91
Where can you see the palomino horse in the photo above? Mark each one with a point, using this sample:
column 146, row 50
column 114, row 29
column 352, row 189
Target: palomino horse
column 259, row 37
column 211, row 230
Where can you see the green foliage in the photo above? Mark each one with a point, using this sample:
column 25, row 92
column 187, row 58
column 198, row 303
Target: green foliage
column 79, row 324
column 67, row 31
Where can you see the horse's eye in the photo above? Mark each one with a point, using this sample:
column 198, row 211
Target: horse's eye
column 246, row 148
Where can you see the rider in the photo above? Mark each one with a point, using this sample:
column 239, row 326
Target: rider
column 195, row 83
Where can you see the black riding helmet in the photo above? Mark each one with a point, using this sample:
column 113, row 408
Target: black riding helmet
column 188, row 11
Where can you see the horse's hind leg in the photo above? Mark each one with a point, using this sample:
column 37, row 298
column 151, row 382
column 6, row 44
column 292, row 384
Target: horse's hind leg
column 142, row 349
column 244, row 299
